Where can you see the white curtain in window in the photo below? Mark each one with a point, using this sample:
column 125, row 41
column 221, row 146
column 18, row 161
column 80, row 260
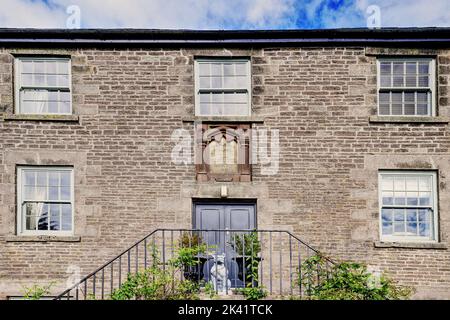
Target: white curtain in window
column 37, row 207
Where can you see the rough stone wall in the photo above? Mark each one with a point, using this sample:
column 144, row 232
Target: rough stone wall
column 129, row 101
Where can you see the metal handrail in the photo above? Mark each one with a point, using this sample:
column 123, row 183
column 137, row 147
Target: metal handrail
column 127, row 252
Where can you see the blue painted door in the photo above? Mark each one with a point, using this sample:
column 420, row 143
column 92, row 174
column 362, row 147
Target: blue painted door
column 223, row 216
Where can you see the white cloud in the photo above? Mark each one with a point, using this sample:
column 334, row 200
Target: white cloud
column 223, row 14
column 173, row 14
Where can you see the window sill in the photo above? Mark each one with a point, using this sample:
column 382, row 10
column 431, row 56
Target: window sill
column 46, row 238
column 410, row 245
column 42, row 117
column 406, row 119
column 229, row 119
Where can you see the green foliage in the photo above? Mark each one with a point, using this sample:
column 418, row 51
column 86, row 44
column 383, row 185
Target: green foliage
column 209, row 290
column 188, row 256
column 156, row 283
column 246, row 244
column 347, row 281
column 189, row 240
column 253, row 293
column 36, row 292
column 249, row 246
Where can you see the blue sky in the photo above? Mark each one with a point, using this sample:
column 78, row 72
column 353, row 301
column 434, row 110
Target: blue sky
column 223, row 14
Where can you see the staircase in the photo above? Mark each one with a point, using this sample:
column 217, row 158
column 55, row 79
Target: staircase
column 227, row 259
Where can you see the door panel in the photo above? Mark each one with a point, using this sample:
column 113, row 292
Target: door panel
column 210, row 217
column 240, row 217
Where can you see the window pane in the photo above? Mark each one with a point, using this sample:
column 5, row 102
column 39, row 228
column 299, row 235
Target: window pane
column 411, row 215
column 66, row 212
column 387, row 183
column 410, row 109
column 30, row 178
column 424, row 229
column 396, row 103
column 386, row 215
column 65, row 193
column 388, row 198
column 27, row 67
column 399, row 215
column 423, row 81
column 399, row 227
column 424, row 198
column 385, row 81
column 397, row 81
column 411, row 184
column 385, row 68
column 28, row 193
column 387, row 228
column 55, row 217
column 53, row 193
column 422, row 109
column 205, row 109
column 424, row 215
column 42, row 218
column 398, row 68
column 65, row 178
column 39, row 67
column 411, row 227
column 41, row 178
column 412, row 199
column 411, row 68
column 228, row 69
column 53, row 178
column 424, row 68
column 241, row 69
column 216, row 69
column 63, row 67
column 425, row 184
column 30, row 223
column 64, row 107
column 384, row 109
column 204, row 69
column 399, row 183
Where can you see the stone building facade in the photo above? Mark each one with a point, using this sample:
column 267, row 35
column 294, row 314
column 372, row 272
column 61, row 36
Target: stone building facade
column 130, row 91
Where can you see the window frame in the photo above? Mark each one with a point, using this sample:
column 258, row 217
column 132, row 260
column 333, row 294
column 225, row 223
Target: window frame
column 18, row 82
column 435, row 207
column 248, row 88
column 432, row 86
column 21, row 228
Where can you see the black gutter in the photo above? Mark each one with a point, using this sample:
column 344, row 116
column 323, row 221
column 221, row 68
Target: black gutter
column 437, row 36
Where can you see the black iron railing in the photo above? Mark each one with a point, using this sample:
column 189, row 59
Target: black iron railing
column 227, row 259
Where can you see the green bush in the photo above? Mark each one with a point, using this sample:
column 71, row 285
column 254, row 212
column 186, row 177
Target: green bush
column 347, row 281
column 157, row 283
column 36, row 292
column 250, row 246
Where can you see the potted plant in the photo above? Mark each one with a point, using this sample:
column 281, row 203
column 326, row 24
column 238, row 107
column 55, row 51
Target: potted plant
column 247, row 248
column 189, row 256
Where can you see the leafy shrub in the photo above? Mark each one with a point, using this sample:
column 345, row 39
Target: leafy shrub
column 347, row 281
column 156, row 283
column 36, row 292
column 253, row 293
column 249, row 245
